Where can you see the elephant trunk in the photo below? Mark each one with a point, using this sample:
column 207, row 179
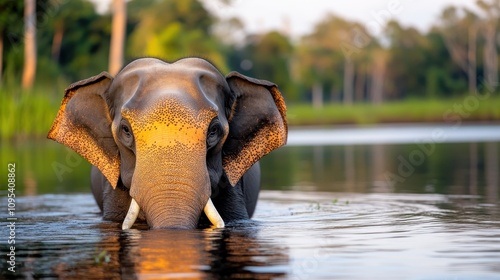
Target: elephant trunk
column 172, row 187
column 172, row 202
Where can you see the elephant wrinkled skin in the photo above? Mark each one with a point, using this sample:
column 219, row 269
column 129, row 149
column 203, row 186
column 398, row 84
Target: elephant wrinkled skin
column 169, row 142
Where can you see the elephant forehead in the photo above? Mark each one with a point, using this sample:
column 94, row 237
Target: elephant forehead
column 147, row 78
column 170, row 122
column 195, row 92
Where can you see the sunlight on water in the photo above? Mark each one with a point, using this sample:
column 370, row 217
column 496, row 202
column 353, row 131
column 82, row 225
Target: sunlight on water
column 387, row 235
column 294, row 235
column 395, row 135
column 379, row 203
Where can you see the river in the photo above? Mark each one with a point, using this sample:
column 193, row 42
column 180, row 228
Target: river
column 410, row 202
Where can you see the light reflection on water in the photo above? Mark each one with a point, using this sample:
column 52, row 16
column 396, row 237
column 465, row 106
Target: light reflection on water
column 444, row 168
column 294, row 235
column 382, row 134
column 327, row 211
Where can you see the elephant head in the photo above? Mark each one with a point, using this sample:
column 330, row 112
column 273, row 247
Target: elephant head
column 170, row 133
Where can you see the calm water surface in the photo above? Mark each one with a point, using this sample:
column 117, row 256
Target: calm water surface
column 411, row 209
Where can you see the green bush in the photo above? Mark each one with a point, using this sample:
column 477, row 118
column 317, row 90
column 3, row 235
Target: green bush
column 405, row 111
column 31, row 113
column 27, row 113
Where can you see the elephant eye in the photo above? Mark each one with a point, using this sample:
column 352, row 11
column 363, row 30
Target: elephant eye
column 126, row 131
column 214, row 133
column 125, row 134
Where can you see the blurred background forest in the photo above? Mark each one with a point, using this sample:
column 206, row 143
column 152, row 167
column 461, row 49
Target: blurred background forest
column 338, row 74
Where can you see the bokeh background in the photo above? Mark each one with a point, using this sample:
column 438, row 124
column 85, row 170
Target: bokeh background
column 360, row 72
column 358, row 64
column 335, row 63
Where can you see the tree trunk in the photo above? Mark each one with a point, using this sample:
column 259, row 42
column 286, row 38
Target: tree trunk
column 378, row 74
column 29, row 70
column 457, row 51
column 57, row 42
column 490, row 56
column 317, row 95
column 348, row 81
column 334, row 95
column 464, row 53
column 360, row 85
column 471, row 58
column 117, row 36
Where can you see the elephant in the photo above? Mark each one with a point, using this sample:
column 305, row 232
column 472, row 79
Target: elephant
column 173, row 144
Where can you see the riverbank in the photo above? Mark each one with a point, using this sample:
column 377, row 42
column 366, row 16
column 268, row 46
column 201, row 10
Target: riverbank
column 28, row 114
column 465, row 109
column 31, row 114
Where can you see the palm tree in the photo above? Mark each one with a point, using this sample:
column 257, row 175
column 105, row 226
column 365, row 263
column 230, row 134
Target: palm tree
column 29, row 70
column 117, row 36
column 380, row 56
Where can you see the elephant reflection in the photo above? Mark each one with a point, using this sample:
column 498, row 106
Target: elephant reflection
column 192, row 254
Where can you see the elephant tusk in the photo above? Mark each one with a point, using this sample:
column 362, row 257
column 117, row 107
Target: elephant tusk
column 132, row 213
column 213, row 215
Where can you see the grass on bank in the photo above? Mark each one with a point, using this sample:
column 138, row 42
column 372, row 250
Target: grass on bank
column 465, row 109
column 30, row 114
column 27, row 114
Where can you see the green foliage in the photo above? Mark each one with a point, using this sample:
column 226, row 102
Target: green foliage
column 321, row 55
column 408, row 64
column 405, row 41
column 173, row 29
column 85, row 39
column 26, row 113
column 268, row 56
column 406, row 111
column 10, row 13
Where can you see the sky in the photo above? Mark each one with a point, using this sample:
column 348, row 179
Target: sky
column 298, row 17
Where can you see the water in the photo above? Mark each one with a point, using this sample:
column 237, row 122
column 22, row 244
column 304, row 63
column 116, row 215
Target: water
column 355, row 210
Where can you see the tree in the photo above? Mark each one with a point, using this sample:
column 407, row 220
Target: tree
column 330, row 56
column 406, row 65
column 462, row 48
column 65, row 13
column 172, row 29
column 443, row 77
column 76, row 38
column 379, row 64
column 348, row 80
column 30, row 57
column 10, row 14
column 471, row 21
column 492, row 10
column 117, row 36
column 269, row 56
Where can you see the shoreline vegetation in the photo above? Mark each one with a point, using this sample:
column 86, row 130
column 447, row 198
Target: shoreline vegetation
column 340, row 73
column 455, row 110
column 30, row 114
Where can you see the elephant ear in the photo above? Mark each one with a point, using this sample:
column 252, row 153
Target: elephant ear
column 83, row 123
column 257, row 124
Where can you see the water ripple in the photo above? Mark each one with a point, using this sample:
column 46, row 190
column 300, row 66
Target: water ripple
column 294, row 235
